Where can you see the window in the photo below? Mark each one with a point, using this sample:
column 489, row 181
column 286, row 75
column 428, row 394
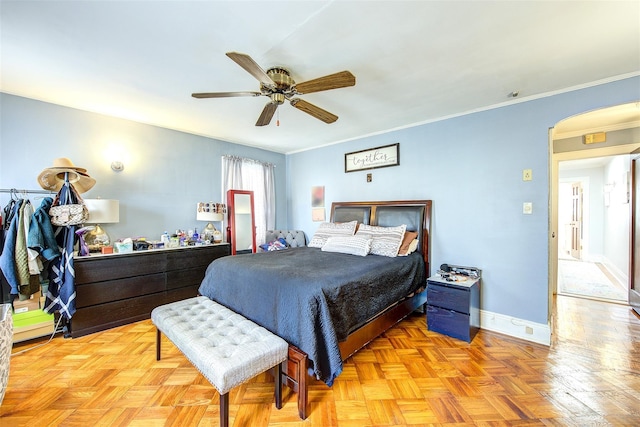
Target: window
column 239, row 173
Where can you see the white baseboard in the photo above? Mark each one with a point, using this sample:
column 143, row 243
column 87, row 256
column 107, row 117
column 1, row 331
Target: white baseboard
column 514, row 327
column 621, row 276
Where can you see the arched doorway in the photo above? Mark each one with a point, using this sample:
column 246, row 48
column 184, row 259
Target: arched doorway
column 619, row 126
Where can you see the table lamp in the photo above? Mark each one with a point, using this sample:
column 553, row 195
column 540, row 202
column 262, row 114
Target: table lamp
column 210, row 212
column 101, row 211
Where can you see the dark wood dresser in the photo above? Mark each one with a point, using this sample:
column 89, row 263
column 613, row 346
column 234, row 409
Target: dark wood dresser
column 116, row 289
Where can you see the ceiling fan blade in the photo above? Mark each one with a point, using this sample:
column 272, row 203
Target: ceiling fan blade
column 313, row 110
column 332, row 81
column 224, row 94
column 267, row 114
column 246, row 62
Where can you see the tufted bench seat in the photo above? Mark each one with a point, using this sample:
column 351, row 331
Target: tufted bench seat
column 225, row 347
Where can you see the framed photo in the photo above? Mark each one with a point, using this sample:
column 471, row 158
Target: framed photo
column 317, row 214
column 317, row 197
column 372, row 158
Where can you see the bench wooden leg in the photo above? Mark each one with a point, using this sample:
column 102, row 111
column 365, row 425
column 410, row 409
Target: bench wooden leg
column 278, row 381
column 224, row 410
column 158, row 341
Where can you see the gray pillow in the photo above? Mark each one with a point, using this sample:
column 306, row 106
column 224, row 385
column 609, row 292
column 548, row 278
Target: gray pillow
column 386, row 240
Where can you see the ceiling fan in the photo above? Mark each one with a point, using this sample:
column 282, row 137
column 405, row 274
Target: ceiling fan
column 277, row 84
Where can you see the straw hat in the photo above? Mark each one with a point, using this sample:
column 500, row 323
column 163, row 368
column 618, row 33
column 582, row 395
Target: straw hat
column 52, row 177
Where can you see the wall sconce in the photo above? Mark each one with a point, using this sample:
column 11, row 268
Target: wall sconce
column 211, row 212
column 117, row 166
column 101, row 211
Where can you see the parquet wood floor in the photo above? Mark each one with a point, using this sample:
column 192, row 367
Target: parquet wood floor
column 589, row 376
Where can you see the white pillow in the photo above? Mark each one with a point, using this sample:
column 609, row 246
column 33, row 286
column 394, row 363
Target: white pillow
column 353, row 245
column 329, row 229
column 386, row 240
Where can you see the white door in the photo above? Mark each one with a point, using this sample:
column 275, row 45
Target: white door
column 576, row 220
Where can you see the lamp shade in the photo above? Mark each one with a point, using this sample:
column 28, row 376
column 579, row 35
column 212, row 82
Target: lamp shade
column 209, row 216
column 102, row 211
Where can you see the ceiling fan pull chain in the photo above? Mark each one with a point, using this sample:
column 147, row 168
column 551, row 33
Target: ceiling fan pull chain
column 278, row 118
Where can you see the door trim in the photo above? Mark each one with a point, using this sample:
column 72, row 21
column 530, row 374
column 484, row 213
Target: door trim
column 554, row 160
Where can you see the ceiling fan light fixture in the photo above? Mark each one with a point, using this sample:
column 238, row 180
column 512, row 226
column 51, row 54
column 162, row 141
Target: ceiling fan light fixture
column 277, row 98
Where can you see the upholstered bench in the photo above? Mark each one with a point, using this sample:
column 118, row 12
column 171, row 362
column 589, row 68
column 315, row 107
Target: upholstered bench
column 225, row 347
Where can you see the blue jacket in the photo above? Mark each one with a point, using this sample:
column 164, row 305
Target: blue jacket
column 7, row 258
column 41, row 235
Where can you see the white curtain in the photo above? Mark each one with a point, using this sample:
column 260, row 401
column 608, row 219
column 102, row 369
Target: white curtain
column 239, row 173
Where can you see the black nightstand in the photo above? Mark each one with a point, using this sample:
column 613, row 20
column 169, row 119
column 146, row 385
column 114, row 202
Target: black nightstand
column 453, row 307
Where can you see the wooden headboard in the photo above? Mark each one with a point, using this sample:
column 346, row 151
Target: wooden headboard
column 416, row 214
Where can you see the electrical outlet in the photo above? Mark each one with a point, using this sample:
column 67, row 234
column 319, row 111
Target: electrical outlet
column 528, row 330
column 527, row 208
column 527, row 175
column 369, row 177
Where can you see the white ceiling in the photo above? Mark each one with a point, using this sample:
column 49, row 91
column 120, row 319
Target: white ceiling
column 414, row 62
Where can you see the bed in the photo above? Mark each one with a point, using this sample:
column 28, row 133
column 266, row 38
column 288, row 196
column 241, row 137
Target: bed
column 328, row 305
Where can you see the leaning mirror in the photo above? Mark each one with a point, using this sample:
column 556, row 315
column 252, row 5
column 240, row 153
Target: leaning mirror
column 241, row 232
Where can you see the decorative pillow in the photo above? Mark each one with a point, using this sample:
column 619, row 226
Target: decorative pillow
column 408, row 245
column 353, row 245
column 413, row 246
column 329, row 229
column 386, row 240
column 276, row 245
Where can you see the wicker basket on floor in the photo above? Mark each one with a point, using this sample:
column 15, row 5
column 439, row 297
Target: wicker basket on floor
column 6, row 342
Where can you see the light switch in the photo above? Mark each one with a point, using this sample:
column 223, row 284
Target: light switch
column 527, row 208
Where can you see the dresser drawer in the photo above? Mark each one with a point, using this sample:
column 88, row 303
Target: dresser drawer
column 115, row 290
column 448, row 297
column 195, row 257
column 119, row 266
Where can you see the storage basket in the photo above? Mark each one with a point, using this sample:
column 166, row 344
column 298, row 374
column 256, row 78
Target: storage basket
column 6, row 342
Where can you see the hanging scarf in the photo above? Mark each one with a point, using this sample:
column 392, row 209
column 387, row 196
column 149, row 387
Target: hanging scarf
column 61, row 295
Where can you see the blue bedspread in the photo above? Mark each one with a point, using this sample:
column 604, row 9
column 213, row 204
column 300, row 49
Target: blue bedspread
column 310, row 298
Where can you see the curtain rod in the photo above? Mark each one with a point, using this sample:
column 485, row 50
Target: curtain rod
column 247, row 159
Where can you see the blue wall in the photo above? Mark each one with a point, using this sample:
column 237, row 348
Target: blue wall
column 471, row 167
column 166, row 172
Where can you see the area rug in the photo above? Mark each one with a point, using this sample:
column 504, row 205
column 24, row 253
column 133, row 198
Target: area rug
column 586, row 279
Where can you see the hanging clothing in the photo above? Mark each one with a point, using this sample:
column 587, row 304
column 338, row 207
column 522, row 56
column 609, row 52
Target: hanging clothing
column 24, row 277
column 41, row 235
column 35, row 265
column 20, row 256
column 62, row 290
column 9, row 211
column 27, row 267
column 7, row 258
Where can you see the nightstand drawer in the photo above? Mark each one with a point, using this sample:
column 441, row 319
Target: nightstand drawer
column 450, row 323
column 448, row 297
